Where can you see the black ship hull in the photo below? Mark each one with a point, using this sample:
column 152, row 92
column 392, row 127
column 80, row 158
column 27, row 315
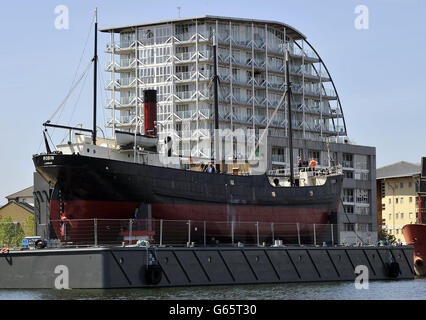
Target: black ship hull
column 89, row 187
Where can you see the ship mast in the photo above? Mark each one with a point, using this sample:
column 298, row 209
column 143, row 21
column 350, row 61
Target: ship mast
column 95, row 67
column 216, row 104
column 290, row 125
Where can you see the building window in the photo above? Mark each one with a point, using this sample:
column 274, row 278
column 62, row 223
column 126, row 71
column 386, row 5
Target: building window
column 402, row 215
column 411, row 215
column 348, row 195
column 396, row 200
column 349, row 174
column 362, row 210
column 410, row 184
column 390, row 216
column 348, row 209
column 364, row 227
column 410, row 199
column 349, row 226
column 383, row 206
column 397, row 231
column 396, row 216
column 278, row 154
column 390, row 200
column 396, row 185
column 362, row 196
column 348, row 160
column 402, row 200
column 401, row 185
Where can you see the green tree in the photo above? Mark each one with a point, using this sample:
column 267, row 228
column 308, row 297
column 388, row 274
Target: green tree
column 11, row 233
column 384, row 235
column 29, row 226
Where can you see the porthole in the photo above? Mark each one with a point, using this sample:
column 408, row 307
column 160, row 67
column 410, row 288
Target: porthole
column 209, row 259
column 166, row 260
column 257, row 258
column 121, row 260
column 88, row 150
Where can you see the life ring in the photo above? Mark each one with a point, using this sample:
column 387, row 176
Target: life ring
column 393, row 269
column 4, row 250
column 153, row 274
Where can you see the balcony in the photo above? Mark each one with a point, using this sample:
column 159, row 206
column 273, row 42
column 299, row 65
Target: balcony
column 278, row 158
column 185, row 56
column 185, row 36
column 184, row 115
column 185, row 95
column 185, row 76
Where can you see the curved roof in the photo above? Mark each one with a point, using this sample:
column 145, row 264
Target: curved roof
column 292, row 32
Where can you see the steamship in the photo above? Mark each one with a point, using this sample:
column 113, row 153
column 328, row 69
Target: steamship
column 125, row 177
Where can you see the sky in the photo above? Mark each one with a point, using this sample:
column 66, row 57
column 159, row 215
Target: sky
column 379, row 71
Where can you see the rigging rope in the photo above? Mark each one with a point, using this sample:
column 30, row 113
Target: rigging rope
column 71, row 90
column 269, row 122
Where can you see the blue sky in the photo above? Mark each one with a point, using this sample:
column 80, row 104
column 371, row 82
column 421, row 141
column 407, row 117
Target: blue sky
column 379, row 73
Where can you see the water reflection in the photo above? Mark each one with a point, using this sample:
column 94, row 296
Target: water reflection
column 381, row 290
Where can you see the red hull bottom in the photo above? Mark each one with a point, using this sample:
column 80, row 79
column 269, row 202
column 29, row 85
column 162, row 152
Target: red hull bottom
column 415, row 235
column 82, row 209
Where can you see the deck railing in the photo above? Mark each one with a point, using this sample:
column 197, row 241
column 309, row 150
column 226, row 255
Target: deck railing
column 178, row 233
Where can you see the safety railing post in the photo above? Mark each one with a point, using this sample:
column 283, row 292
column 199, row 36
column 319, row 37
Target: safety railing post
column 257, row 232
column 273, row 232
column 161, row 232
column 95, row 227
column 315, row 236
column 232, row 232
column 16, row 234
column 130, row 231
column 205, row 242
column 332, row 234
column 298, row 233
column 189, row 232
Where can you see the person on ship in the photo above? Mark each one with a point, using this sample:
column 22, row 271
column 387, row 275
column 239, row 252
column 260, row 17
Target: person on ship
column 299, row 162
column 313, row 164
